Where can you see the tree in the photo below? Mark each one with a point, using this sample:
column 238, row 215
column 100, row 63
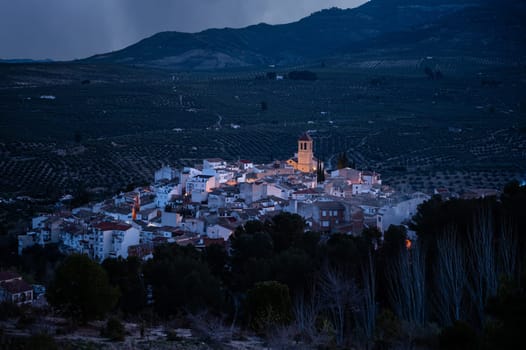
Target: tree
column 77, row 137
column 126, row 275
column 302, row 75
column 286, row 229
column 41, row 341
column 459, row 336
column 343, row 161
column 81, row 289
column 449, row 278
column 268, row 304
column 342, row 297
column 217, row 258
column 406, row 284
column 114, row 330
column 429, row 72
column 320, row 172
column 181, row 281
column 294, row 268
column 481, row 267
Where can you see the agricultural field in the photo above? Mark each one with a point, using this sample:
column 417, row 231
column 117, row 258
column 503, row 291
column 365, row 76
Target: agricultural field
column 67, row 127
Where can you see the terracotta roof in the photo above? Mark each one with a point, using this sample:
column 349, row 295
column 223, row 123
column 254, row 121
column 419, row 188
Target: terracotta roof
column 307, row 191
column 329, row 205
column 8, row 275
column 17, row 286
column 305, row 137
column 112, row 226
column 209, row 241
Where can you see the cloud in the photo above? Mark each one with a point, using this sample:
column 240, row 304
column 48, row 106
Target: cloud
column 67, row 29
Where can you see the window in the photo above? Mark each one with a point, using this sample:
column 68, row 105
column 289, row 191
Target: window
column 325, row 223
column 324, row 213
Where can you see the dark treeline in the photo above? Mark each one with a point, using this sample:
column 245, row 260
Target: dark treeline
column 459, row 285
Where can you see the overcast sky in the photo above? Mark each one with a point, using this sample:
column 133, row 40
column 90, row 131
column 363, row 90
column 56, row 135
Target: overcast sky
column 67, row 29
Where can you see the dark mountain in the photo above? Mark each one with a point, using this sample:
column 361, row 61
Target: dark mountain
column 445, row 25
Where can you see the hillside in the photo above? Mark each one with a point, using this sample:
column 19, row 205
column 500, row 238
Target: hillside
column 443, row 25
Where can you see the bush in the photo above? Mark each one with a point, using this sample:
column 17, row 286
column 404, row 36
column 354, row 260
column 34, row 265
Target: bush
column 302, row 75
column 459, row 336
column 268, row 304
column 42, row 342
column 114, row 330
column 171, row 335
column 8, row 310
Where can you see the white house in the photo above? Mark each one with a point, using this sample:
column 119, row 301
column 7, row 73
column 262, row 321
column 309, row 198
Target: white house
column 112, row 239
column 165, row 194
column 214, row 163
column 398, row 213
column 219, row 231
column 193, row 225
column 277, row 190
column 187, row 174
column 246, row 164
column 14, row 289
column 199, row 187
column 166, row 173
column 371, row 178
column 171, row 218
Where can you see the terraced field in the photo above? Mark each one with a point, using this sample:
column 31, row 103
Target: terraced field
column 70, row 126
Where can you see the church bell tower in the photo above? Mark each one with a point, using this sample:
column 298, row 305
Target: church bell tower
column 305, row 154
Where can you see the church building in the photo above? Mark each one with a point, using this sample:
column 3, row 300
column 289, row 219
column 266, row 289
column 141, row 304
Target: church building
column 304, row 160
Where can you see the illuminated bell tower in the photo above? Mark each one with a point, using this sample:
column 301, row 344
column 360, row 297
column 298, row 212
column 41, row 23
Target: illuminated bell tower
column 305, row 155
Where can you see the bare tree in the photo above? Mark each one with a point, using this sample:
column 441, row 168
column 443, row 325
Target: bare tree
column 282, row 338
column 210, row 327
column 507, row 250
column 481, row 262
column 366, row 318
column 449, row 277
column 306, row 313
column 342, row 297
column 406, row 285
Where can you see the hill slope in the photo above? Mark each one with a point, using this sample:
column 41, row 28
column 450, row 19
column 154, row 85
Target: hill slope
column 374, row 25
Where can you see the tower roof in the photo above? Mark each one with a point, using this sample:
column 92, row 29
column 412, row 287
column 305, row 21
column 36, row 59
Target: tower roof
column 305, row 137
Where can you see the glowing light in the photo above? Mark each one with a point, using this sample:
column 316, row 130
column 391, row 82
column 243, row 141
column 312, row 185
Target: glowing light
column 408, row 243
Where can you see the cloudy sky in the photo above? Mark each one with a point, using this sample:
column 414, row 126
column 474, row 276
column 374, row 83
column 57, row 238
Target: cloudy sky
column 67, row 29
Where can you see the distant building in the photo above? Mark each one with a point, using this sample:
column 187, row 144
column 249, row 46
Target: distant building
column 112, row 240
column 214, row 163
column 14, row 289
column 304, row 160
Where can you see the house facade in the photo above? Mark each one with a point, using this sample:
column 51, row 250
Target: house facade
column 14, row 289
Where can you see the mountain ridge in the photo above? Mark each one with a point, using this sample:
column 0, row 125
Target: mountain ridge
column 324, row 33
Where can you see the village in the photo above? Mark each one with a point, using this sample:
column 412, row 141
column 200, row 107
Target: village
column 204, row 204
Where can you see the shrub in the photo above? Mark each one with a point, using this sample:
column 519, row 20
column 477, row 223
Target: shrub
column 114, row 330
column 459, row 336
column 42, row 342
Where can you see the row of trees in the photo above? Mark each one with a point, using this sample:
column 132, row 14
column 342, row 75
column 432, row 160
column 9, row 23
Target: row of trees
column 461, row 282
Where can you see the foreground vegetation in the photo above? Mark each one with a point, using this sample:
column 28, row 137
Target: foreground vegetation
column 460, row 285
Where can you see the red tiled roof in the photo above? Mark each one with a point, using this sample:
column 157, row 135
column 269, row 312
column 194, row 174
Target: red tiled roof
column 307, row 191
column 16, row 286
column 112, row 226
column 8, row 275
column 209, row 241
